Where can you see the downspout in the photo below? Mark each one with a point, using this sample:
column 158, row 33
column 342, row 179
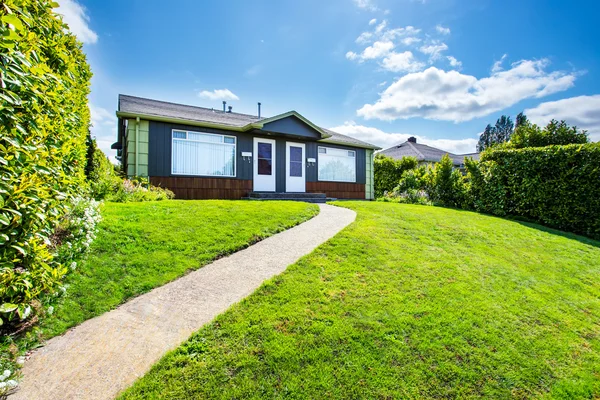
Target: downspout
column 137, row 145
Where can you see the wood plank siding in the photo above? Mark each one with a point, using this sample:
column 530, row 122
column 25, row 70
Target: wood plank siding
column 195, row 188
column 338, row 190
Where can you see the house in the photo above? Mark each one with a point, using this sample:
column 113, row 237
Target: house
column 424, row 154
column 203, row 153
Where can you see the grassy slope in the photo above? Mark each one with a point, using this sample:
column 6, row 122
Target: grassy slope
column 143, row 245
column 408, row 302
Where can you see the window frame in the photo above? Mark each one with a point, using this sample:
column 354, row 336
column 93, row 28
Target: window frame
column 234, row 145
column 347, row 155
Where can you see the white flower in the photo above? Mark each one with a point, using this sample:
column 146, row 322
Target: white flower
column 12, row 383
column 50, row 310
column 5, row 375
column 73, row 266
column 26, row 313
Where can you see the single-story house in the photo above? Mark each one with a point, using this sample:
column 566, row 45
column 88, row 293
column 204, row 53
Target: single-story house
column 424, row 154
column 204, row 153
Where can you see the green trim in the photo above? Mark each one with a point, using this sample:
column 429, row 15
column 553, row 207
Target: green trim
column 370, row 182
column 137, row 147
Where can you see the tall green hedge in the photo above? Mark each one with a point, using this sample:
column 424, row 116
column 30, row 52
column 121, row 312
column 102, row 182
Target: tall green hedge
column 558, row 186
column 388, row 171
column 44, row 119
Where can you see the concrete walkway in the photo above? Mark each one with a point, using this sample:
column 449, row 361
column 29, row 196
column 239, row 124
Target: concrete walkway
column 105, row 355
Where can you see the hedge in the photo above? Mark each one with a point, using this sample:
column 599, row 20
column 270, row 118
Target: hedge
column 44, row 121
column 558, row 186
column 388, row 171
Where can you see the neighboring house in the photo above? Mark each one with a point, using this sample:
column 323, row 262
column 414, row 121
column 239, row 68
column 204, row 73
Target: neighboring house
column 424, row 154
column 203, row 153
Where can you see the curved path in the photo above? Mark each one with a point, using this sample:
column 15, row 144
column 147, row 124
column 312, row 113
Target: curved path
column 106, row 354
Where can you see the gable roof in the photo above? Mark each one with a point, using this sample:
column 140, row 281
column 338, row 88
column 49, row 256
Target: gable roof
column 131, row 107
column 424, row 153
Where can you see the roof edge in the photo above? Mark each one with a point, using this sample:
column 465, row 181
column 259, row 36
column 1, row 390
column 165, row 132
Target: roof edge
column 206, row 124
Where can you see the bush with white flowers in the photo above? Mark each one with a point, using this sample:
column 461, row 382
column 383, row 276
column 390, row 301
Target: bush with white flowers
column 6, row 384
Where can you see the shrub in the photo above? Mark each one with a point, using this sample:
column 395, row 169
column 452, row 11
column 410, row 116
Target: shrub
column 101, row 174
column 43, row 128
column 139, row 189
column 558, row 186
column 445, row 185
column 411, row 188
column 555, row 133
column 387, row 172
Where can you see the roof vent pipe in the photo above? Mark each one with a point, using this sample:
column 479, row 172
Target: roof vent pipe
column 412, row 139
column 230, row 107
column 224, row 104
column 259, row 109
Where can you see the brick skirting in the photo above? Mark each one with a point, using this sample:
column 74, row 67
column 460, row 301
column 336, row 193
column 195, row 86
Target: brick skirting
column 193, row 188
column 339, row 190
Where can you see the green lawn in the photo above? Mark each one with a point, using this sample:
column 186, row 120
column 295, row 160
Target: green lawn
column 143, row 245
column 408, row 302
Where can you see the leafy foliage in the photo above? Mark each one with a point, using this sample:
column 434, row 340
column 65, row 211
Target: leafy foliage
column 138, row 189
column 445, row 184
column 558, row 186
column 43, row 128
column 555, row 133
column 388, row 171
column 101, row 174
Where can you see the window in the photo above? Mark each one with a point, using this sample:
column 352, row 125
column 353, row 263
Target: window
column 296, row 161
column 198, row 153
column 337, row 165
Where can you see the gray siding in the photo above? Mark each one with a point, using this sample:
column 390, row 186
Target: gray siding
column 292, row 126
column 159, row 153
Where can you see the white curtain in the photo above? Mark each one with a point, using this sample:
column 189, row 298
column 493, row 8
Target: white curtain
column 201, row 158
column 337, row 165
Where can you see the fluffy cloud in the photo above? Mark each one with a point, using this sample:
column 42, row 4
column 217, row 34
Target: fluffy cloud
column 442, row 30
column 402, row 62
column 373, row 21
column 218, row 94
column 582, row 111
column 454, row 62
column 74, row 15
column 452, row 96
column 385, row 140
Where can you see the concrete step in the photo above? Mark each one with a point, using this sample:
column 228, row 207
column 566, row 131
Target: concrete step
column 286, row 196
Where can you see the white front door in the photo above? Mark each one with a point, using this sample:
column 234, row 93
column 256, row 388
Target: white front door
column 264, row 165
column 295, row 169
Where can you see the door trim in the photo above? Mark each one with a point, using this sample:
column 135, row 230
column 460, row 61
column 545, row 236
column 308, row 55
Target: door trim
column 294, row 181
column 264, row 183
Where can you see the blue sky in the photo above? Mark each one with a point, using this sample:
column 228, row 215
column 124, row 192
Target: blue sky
column 379, row 70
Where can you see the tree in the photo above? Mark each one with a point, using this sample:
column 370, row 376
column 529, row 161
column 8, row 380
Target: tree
column 500, row 133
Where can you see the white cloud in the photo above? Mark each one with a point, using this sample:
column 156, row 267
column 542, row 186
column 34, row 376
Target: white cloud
column 582, row 111
column 74, row 15
column 402, row 62
column 366, row 4
column 409, row 41
column 377, row 50
column 373, row 21
column 452, row 96
column 434, row 50
column 442, row 30
column 218, row 94
column 497, row 67
column 454, row 62
column 351, row 55
column 385, row 140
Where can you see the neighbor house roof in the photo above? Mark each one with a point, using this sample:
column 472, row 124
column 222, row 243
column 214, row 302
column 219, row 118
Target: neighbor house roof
column 424, row 153
column 131, row 107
